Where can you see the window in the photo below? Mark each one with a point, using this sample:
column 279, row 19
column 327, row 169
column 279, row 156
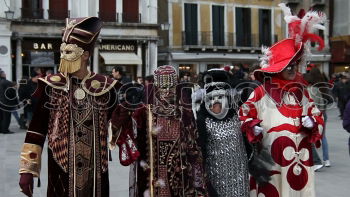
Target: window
column 32, row 9
column 243, row 27
column 265, row 27
column 218, row 25
column 58, row 9
column 131, row 11
column 191, row 24
column 107, row 10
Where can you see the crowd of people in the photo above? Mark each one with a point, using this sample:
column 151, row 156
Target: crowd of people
column 231, row 133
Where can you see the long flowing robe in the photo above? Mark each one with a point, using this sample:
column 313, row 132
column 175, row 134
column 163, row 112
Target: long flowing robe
column 285, row 138
column 73, row 115
column 175, row 157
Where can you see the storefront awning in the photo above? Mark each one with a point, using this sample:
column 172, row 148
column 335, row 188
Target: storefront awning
column 121, row 58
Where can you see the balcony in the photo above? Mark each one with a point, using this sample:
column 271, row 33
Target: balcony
column 58, row 14
column 207, row 40
column 31, row 13
column 318, row 2
column 292, row 1
column 109, row 16
column 131, row 17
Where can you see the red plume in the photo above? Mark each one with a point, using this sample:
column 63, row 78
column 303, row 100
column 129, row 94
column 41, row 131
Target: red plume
column 301, row 13
column 314, row 38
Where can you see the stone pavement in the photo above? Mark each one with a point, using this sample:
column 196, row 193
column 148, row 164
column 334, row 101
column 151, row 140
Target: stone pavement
column 333, row 181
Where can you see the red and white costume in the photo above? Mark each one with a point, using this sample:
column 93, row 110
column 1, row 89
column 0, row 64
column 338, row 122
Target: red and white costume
column 278, row 106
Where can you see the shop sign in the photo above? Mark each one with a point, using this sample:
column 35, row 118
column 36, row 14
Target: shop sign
column 42, row 46
column 118, row 47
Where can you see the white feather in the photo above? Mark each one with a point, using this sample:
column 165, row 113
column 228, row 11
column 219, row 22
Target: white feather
column 319, row 26
column 285, row 9
column 311, row 20
column 290, row 19
column 266, row 56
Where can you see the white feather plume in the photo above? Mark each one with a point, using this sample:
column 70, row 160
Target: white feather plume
column 288, row 17
column 311, row 20
column 265, row 58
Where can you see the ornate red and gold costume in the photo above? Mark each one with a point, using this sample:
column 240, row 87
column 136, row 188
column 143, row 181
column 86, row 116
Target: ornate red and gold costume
column 73, row 114
column 170, row 162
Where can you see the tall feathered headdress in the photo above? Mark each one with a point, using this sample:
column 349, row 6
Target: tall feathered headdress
column 301, row 27
column 296, row 46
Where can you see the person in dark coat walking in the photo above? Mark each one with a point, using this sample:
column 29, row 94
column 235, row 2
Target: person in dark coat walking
column 26, row 89
column 8, row 102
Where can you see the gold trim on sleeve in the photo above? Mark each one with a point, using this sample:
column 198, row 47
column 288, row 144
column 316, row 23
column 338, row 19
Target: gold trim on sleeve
column 30, row 161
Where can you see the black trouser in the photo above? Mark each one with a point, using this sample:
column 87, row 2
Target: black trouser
column 5, row 120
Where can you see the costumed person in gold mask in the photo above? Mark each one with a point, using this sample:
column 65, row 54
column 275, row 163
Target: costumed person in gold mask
column 73, row 111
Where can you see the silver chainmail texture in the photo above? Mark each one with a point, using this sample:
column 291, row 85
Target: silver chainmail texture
column 226, row 162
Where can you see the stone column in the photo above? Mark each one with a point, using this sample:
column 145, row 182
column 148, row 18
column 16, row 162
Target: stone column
column 46, row 8
column 153, row 56
column 19, row 65
column 95, row 66
column 139, row 54
column 119, row 5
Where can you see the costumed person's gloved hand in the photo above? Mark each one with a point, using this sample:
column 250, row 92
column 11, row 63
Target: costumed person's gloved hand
column 257, row 130
column 307, row 122
column 26, row 183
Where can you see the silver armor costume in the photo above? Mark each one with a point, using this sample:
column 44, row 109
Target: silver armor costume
column 226, row 164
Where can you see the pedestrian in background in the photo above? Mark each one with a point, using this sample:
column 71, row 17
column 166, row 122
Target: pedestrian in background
column 317, row 83
column 8, row 102
column 346, row 121
column 342, row 92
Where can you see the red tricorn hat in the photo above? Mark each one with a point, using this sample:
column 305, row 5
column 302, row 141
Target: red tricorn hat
column 82, row 32
column 279, row 56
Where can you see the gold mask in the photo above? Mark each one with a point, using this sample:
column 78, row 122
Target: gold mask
column 70, row 58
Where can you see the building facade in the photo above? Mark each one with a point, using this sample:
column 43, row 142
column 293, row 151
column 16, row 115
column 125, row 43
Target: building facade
column 210, row 34
column 32, row 36
column 340, row 39
column 205, row 34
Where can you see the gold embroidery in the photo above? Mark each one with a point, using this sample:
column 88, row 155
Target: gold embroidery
column 55, row 78
column 95, row 84
column 71, row 24
column 79, row 94
column 30, row 159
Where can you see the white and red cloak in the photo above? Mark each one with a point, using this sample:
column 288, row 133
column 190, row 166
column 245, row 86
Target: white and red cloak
column 278, row 110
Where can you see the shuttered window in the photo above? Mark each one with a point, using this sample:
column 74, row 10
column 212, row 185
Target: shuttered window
column 265, row 27
column 58, row 9
column 218, row 25
column 107, row 11
column 191, row 24
column 131, row 11
column 243, row 27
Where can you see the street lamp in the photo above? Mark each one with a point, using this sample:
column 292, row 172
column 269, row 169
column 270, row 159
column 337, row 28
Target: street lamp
column 9, row 14
column 165, row 26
